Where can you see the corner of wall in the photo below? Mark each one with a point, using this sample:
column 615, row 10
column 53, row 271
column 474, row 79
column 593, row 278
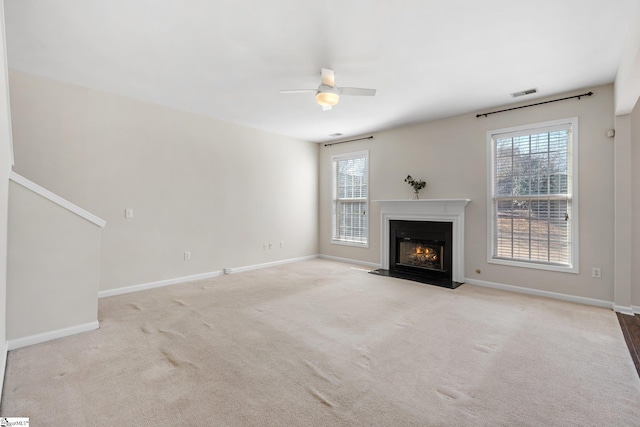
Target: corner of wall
column 6, row 154
column 3, row 365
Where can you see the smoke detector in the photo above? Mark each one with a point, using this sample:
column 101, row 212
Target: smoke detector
column 524, row 92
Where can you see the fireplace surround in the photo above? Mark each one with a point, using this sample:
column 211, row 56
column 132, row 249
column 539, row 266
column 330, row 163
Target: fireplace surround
column 423, row 240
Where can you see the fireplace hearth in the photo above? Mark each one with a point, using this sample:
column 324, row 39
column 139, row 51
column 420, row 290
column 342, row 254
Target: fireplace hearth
column 423, row 241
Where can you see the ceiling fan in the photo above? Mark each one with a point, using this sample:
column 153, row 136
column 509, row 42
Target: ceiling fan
column 328, row 94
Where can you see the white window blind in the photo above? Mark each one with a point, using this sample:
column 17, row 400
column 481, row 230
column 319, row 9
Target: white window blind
column 350, row 198
column 532, row 208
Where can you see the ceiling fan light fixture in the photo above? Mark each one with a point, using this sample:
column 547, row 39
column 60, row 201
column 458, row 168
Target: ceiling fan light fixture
column 328, row 99
column 328, row 94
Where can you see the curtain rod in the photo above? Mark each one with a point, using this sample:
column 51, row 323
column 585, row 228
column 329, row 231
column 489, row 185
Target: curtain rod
column 533, row 105
column 351, row 140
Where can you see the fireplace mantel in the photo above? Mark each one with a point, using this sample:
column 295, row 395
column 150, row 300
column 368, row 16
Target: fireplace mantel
column 442, row 210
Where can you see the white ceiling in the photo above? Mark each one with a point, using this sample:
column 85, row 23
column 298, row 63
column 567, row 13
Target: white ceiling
column 228, row 59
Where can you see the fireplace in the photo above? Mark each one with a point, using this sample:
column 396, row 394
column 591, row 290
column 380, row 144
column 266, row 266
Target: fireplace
column 423, row 240
column 420, row 247
column 421, row 251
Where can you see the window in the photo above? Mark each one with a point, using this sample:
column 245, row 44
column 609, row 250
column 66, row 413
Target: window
column 351, row 198
column 533, row 208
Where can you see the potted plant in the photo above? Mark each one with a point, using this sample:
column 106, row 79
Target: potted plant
column 417, row 185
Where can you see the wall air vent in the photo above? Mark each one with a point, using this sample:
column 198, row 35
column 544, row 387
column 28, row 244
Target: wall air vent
column 524, row 92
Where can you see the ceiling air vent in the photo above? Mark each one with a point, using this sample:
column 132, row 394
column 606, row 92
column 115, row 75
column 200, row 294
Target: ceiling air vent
column 524, row 92
column 335, row 134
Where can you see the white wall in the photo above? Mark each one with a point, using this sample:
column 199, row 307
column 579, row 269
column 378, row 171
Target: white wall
column 627, row 91
column 635, row 206
column 196, row 184
column 627, row 83
column 451, row 155
column 5, row 170
column 53, row 267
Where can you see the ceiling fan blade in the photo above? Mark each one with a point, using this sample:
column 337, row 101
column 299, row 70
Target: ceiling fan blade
column 299, row 91
column 326, row 107
column 328, row 77
column 357, row 91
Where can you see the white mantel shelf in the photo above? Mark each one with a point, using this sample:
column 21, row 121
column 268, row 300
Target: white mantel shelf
column 430, row 204
column 441, row 210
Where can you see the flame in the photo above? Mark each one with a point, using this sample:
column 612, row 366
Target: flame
column 426, row 253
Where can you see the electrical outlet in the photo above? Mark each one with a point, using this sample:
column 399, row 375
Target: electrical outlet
column 270, row 245
column 128, row 213
column 265, row 246
column 187, row 256
column 596, row 273
column 281, row 244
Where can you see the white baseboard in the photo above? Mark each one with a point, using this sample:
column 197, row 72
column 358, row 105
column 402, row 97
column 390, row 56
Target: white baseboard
column 52, row 335
column 636, row 309
column 351, row 261
column 537, row 292
column 624, row 310
column 158, row 284
column 194, row 277
column 271, row 264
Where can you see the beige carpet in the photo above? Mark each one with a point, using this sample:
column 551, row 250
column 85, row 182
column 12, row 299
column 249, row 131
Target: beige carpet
column 323, row 343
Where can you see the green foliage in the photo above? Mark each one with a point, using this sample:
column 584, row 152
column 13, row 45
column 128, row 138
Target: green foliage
column 416, row 184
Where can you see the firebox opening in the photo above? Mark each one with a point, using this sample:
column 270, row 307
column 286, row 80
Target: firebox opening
column 428, row 255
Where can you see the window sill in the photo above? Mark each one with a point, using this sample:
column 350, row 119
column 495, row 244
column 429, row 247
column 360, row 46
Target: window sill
column 536, row 266
column 346, row 243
